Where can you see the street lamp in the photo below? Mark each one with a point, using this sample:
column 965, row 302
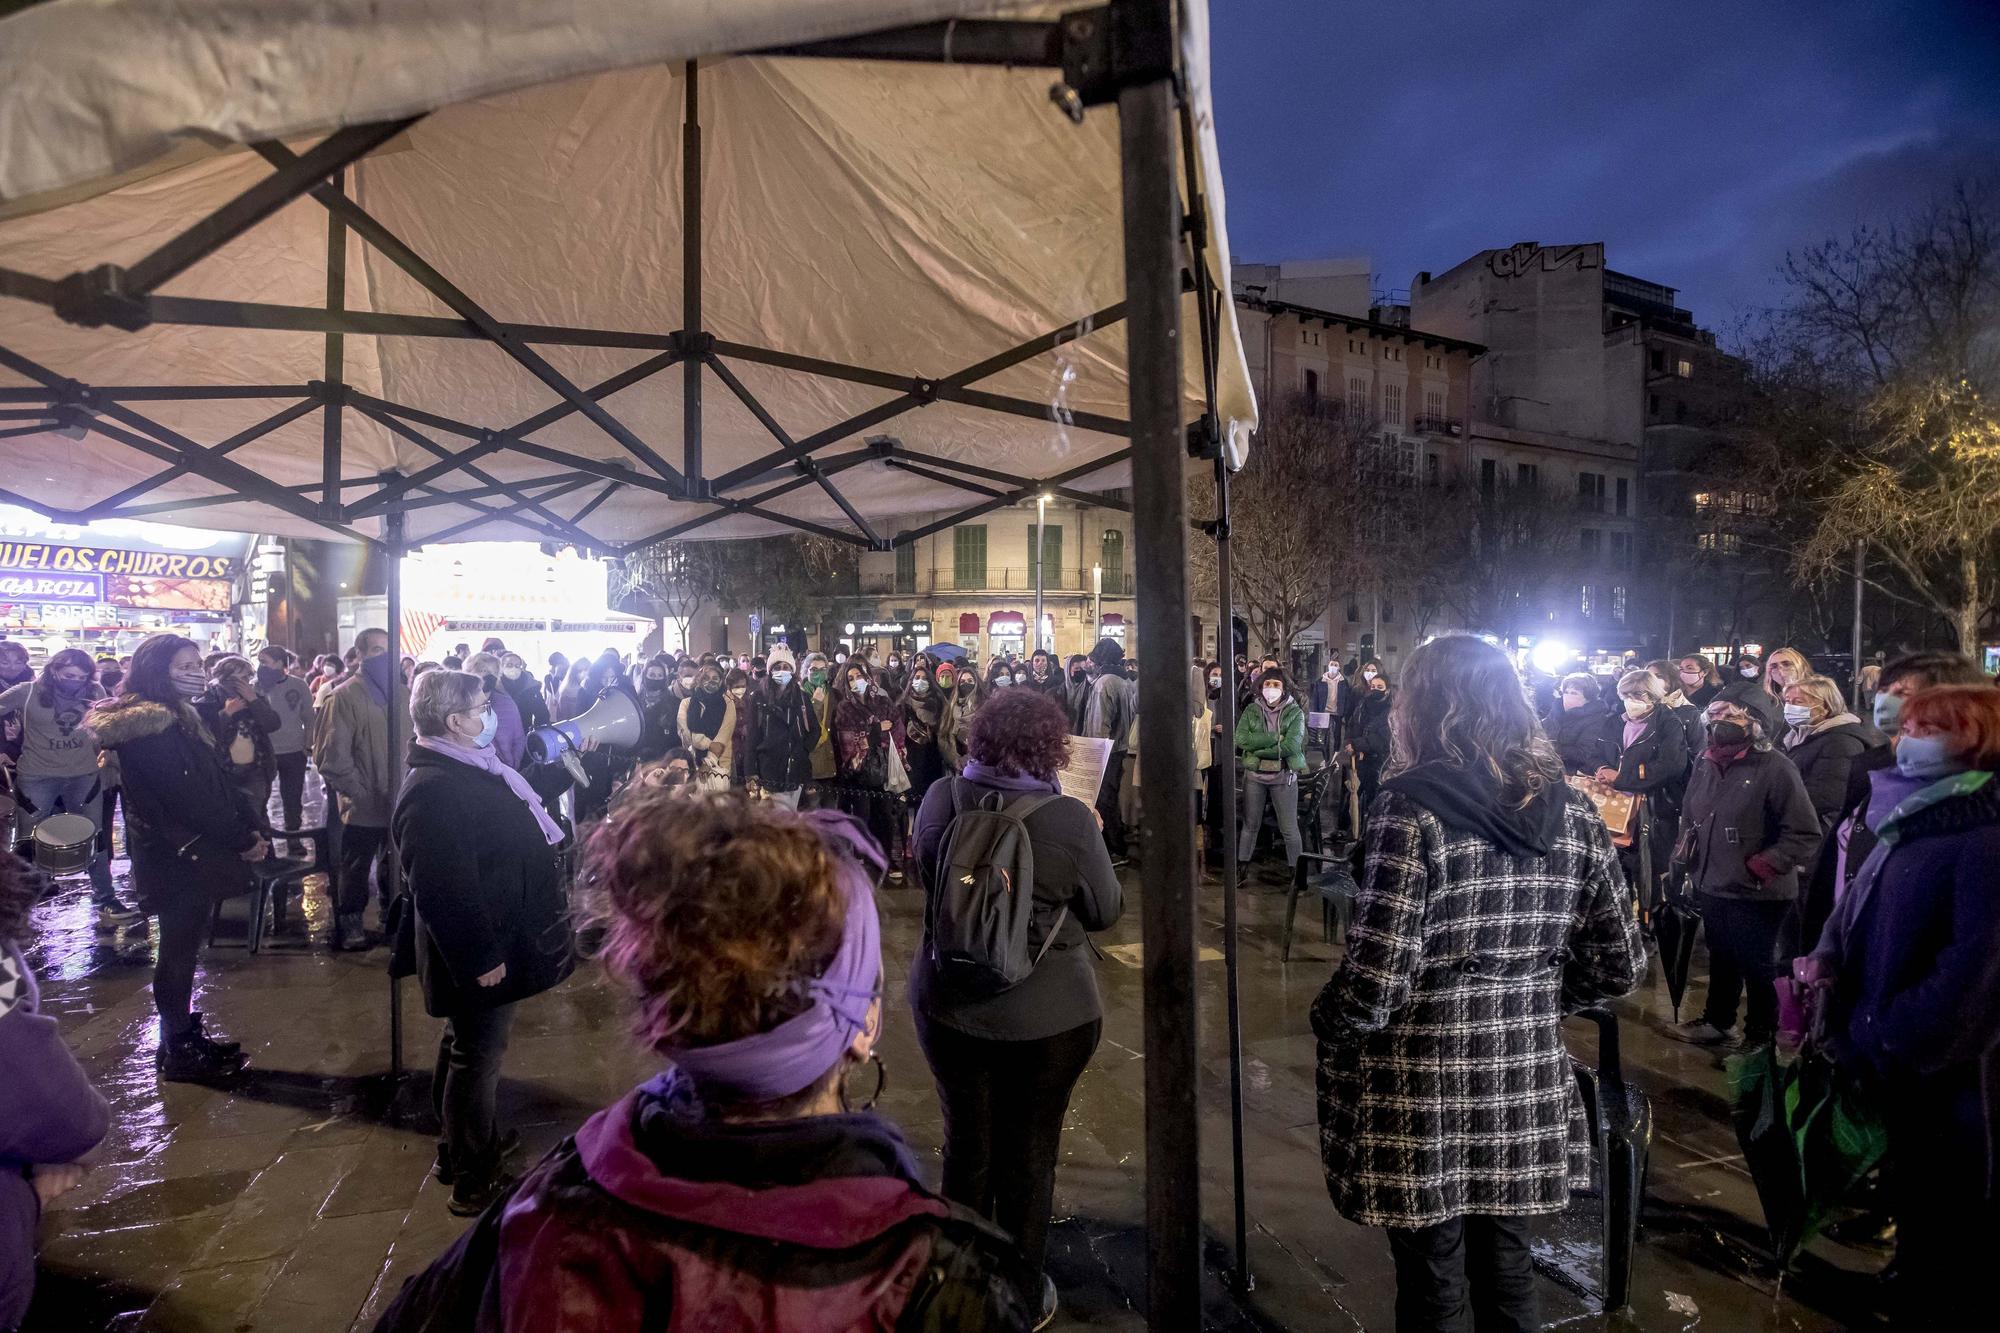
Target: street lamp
column 1041, row 551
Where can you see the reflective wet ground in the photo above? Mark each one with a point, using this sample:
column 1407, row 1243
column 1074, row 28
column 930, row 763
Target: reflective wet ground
column 300, row 1199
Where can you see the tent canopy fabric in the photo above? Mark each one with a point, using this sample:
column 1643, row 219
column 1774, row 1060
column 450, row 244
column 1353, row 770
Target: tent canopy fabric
column 886, row 249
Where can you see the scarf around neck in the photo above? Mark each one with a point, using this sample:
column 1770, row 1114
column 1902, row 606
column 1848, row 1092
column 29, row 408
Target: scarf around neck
column 487, row 761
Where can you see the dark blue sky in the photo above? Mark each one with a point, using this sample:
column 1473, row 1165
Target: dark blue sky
column 1697, row 140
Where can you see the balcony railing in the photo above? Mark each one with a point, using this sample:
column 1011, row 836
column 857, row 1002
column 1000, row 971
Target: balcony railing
column 998, row 578
column 1429, row 425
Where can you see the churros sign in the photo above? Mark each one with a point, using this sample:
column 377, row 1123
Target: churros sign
column 55, row 558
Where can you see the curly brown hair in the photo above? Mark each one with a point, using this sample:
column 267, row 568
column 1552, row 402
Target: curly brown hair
column 1020, row 731
column 719, row 910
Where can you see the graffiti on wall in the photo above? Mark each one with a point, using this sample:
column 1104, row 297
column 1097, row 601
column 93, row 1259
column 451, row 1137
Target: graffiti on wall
column 1528, row 257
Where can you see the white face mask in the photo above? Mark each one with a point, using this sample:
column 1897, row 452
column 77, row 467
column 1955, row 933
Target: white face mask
column 1020, row 679
column 1747, row 672
column 1272, row 694
column 781, row 677
column 920, row 686
column 1369, row 673
column 511, row 673
column 1215, row 682
column 1798, row 714
column 858, row 686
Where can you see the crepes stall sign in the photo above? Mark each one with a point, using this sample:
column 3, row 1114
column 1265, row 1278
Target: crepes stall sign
column 32, row 571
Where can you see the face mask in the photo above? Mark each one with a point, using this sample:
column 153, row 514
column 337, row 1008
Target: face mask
column 725, row 662
column 1078, row 673
column 70, row 688
column 510, row 673
column 920, row 686
column 1368, row 673
column 654, row 684
column 1798, row 714
column 1380, row 687
column 1020, row 679
column 712, row 687
column 1215, row 682
column 736, row 692
column 839, row 659
column 816, row 679
column 1728, row 734
column 1272, row 694
column 1747, row 672
column 858, row 686
column 110, row 678
column 1889, row 713
column 895, row 664
column 1926, row 758
column 687, row 684
column 1637, row 708
column 1691, row 678
column 781, row 677
column 966, row 686
column 1572, row 702
column 489, row 723
column 189, row 684
column 270, row 677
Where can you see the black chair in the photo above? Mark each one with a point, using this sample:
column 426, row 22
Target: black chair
column 1336, row 897
column 1312, row 795
column 1621, row 1133
column 271, row 881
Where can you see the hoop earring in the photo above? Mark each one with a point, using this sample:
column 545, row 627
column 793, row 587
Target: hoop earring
column 881, row 1085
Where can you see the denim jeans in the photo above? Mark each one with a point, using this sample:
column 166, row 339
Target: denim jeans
column 77, row 796
column 1284, row 798
column 466, row 1085
column 1436, row 1265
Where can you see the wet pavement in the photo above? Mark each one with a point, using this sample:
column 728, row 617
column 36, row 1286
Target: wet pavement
column 300, row 1199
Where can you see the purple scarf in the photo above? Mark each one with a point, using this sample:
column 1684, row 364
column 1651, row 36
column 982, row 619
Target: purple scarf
column 791, row 1056
column 987, row 776
column 375, row 675
column 488, row 761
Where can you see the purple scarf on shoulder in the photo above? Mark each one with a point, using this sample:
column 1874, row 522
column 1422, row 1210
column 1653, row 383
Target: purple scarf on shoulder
column 987, row 776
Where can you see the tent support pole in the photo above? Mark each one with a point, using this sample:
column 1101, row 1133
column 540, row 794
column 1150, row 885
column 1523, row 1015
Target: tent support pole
column 692, row 339
column 336, row 358
column 1152, row 223
column 392, row 532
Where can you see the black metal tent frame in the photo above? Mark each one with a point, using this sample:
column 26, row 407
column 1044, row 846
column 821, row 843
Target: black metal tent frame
column 1122, row 53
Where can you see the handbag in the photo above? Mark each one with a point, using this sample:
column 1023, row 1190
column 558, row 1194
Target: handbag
column 899, row 777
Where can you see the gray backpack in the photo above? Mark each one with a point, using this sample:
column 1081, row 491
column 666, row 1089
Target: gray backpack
column 983, row 904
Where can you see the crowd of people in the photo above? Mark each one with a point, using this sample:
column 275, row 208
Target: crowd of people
column 727, row 860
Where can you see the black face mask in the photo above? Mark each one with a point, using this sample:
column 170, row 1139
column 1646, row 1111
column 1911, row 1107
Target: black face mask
column 713, row 687
column 1728, row 734
column 1079, row 674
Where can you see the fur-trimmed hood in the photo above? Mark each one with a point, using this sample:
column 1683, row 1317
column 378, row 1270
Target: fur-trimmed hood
column 121, row 721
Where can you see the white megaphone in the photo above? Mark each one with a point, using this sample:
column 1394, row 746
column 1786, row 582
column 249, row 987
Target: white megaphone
column 614, row 720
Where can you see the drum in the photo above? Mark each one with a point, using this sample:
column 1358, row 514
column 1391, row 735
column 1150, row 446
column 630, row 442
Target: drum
column 64, row 844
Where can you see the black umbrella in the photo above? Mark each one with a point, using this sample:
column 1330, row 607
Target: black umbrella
column 1675, row 925
column 1810, row 1136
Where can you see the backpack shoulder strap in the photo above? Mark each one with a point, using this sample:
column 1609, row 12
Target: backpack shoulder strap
column 1032, row 802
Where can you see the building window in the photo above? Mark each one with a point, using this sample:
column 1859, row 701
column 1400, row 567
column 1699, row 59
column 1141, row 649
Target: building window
column 1528, row 474
column 1590, row 492
column 1433, row 469
column 1720, row 543
column 1353, row 614
column 1657, row 359
column 1312, row 389
column 1357, row 398
column 1624, row 500
column 1355, row 347
column 906, row 568
column 1618, row 604
column 1621, row 549
column 1309, row 337
column 1434, row 407
column 968, row 555
column 1584, row 602
column 1652, row 404
column 1052, row 556
column 1392, row 406
column 1111, row 554
column 1392, row 354
column 1406, row 461
column 1587, row 543
column 1684, row 368
column 1388, row 613
column 1489, row 476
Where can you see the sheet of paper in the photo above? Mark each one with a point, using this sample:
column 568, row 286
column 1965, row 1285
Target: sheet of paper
column 1083, row 775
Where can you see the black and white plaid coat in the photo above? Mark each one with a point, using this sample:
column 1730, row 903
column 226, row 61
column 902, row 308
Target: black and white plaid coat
column 1444, row 1086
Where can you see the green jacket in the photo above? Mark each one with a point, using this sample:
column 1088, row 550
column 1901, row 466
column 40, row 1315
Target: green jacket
column 1266, row 752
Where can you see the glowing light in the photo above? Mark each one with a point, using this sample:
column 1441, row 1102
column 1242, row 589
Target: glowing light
column 1551, row 656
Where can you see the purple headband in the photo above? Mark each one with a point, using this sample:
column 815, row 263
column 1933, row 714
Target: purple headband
column 787, row 1059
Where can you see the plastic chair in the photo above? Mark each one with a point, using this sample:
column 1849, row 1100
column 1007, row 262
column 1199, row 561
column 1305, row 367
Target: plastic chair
column 1621, row 1132
column 1336, row 898
column 272, row 878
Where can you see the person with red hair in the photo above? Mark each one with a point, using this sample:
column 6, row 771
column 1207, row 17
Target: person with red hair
column 1908, row 974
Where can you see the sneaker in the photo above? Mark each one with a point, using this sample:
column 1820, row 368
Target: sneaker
column 470, row 1198
column 1698, row 1032
column 1048, row 1315
column 112, row 912
column 349, row 934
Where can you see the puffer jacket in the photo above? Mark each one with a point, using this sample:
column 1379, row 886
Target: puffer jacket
column 656, row 1216
column 1586, row 738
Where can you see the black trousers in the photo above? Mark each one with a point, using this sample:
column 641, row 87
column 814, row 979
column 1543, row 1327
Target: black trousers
column 362, row 845
column 466, row 1085
column 1107, row 804
column 1004, row 1103
column 184, row 923
column 1946, row 1228
column 292, row 787
column 1743, row 938
column 1485, row 1256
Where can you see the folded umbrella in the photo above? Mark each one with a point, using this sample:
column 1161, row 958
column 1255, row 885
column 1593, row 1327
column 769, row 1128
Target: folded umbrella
column 1809, row 1136
column 1675, row 926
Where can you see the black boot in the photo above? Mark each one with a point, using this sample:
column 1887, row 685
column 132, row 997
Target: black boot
column 198, row 1030
column 189, row 1057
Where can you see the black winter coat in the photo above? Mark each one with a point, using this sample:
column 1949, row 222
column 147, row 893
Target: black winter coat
column 1758, row 806
column 1371, row 726
column 1656, row 764
column 485, row 885
column 252, row 725
column 784, row 729
column 1586, row 739
column 1825, row 761
column 186, row 821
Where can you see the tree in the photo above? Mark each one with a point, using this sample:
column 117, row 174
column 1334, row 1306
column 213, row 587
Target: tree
column 670, row 580
column 1295, row 524
column 1880, row 375
column 793, row 577
column 1519, row 539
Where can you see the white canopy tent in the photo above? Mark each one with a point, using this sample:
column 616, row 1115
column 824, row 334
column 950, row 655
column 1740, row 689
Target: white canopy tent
column 615, row 271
